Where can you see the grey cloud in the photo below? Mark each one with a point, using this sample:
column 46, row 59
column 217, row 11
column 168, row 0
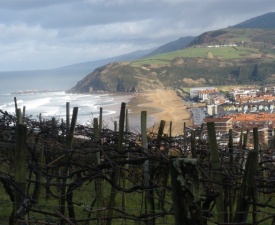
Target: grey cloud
column 98, row 28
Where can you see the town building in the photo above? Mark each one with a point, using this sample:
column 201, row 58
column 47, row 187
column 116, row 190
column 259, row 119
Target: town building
column 265, row 122
column 194, row 92
column 243, row 93
column 212, row 109
column 222, row 125
column 205, row 94
column 269, row 88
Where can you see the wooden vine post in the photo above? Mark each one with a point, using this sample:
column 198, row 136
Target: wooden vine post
column 256, row 165
column 19, row 116
column 184, row 137
column 68, row 116
column 126, row 166
column 127, row 126
column 170, row 129
column 98, row 181
column 115, row 126
column 146, row 172
column 161, row 129
column 229, row 190
column 247, row 191
column 69, row 195
column 116, row 171
column 193, row 144
column 185, row 191
column 24, row 114
column 15, row 104
column 241, row 139
column 216, row 172
column 100, row 123
column 20, row 168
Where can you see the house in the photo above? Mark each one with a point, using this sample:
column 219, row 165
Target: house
column 270, row 88
column 205, row 94
column 239, row 93
column 212, row 109
column 222, row 125
column 194, row 92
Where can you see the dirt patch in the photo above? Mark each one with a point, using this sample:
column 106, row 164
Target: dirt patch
column 209, row 55
column 190, row 81
column 145, row 68
column 179, row 61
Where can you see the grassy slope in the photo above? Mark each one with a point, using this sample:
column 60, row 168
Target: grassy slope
column 222, row 52
column 249, row 41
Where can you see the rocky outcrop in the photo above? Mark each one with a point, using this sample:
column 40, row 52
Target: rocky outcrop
column 118, row 77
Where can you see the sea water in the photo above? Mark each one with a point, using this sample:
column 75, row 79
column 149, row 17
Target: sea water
column 47, row 96
column 37, row 94
column 53, row 104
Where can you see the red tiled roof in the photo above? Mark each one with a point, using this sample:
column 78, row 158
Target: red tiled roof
column 255, row 117
column 208, row 91
column 219, row 119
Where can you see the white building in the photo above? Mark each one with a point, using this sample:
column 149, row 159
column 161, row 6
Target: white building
column 194, row 92
column 270, row 89
column 244, row 92
column 212, row 110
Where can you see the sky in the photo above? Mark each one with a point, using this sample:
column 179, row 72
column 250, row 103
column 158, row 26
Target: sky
column 46, row 34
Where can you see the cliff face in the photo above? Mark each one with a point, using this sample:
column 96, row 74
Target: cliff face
column 187, row 72
column 118, row 77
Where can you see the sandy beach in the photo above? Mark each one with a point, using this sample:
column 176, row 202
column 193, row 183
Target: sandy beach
column 161, row 105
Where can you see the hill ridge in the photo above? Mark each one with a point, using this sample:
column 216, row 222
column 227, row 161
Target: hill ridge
column 225, row 56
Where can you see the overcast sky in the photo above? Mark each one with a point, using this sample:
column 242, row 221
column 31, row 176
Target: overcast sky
column 45, row 34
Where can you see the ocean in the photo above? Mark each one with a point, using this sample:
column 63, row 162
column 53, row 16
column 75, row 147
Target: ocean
column 49, row 98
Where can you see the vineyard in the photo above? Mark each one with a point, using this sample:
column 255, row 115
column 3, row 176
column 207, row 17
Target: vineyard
column 58, row 172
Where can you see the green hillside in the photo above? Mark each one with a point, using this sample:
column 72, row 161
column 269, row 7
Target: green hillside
column 226, row 56
column 204, row 52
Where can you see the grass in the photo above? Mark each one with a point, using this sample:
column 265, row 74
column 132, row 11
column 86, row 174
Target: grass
column 83, row 198
column 221, row 52
column 229, row 87
column 242, row 34
column 155, row 61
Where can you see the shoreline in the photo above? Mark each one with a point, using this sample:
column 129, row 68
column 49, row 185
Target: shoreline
column 161, row 105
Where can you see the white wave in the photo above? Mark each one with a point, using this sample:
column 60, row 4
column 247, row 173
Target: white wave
column 109, row 112
column 35, row 103
column 9, row 106
column 53, row 104
column 6, row 94
column 54, row 113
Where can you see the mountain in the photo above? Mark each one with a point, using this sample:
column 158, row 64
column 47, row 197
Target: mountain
column 89, row 66
column 266, row 21
column 61, row 78
column 172, row 46
column 249, row 37
column 220, row 57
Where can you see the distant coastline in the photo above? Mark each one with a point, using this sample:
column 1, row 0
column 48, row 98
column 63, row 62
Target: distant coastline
column 33, row 91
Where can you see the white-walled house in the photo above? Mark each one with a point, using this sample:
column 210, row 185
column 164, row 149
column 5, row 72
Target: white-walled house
column 194, row 92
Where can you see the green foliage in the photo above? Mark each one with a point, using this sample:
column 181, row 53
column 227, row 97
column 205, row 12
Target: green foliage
column 217, row 33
